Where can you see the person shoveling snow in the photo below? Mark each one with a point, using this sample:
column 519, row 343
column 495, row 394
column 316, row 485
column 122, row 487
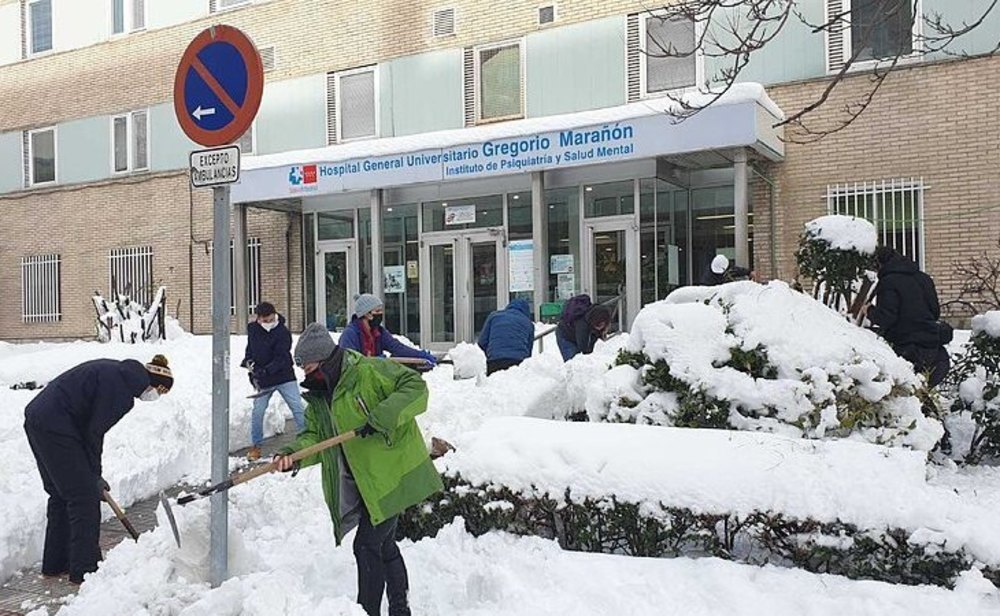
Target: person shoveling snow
column 65, row 425
column 368, row 481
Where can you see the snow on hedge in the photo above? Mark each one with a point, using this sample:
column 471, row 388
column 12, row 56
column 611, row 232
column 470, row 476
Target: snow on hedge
column 755, row 357
column 726, row 472
column 844, row 233
column 988, row 324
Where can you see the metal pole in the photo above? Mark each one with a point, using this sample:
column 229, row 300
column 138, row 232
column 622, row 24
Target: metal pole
column 741, row 208
column 241, row 300
column 219, row 527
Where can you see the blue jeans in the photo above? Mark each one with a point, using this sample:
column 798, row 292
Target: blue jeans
column 290, row 393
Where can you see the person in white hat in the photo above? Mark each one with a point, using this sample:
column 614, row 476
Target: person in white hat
column 721, row 271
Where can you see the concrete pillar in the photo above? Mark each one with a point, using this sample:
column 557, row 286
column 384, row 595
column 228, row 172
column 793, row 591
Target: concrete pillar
column 376, row 243
column 241, row 298
column 540, row 239
column 741, row 208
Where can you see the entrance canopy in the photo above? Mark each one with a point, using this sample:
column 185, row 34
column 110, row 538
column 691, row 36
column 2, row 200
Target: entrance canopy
column 743, row 117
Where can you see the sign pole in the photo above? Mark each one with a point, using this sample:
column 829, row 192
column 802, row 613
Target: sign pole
column 221, row 279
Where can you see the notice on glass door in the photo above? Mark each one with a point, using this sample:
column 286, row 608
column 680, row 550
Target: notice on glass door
column 521, row 257
column 394, row 279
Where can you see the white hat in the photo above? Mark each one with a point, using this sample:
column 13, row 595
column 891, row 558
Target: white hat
column 720, row 264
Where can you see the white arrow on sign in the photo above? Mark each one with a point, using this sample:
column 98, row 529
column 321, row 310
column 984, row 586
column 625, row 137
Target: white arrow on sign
column 199, row 113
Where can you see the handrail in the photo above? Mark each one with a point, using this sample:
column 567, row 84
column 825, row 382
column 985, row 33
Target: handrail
column 546, row 332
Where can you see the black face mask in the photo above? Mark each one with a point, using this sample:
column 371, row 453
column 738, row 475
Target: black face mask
column 376, row 321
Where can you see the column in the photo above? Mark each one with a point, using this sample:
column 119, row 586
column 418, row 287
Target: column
column 376, row 243
column 540, row 237
column 741, row 208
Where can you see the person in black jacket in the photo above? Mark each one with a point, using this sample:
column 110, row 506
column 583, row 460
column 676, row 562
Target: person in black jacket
column 269, row 359
column 907, row 313
column 721, row 271
column 581, row 335
column 65, row 425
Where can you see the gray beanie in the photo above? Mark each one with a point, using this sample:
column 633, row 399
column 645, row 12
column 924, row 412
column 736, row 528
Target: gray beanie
column 365, row 303
column 315, row 344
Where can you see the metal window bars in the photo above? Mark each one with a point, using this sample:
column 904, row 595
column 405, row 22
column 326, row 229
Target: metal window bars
column 895, row 207
column 40, row 284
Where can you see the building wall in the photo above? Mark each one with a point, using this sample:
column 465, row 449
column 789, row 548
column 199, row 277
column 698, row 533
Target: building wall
column 929, row 122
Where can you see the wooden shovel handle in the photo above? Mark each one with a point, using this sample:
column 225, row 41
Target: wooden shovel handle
column 296, row 456
column 120, row 515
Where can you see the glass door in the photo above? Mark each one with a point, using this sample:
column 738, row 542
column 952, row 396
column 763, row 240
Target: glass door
column 463, row 277
column 336, row 282
column 612, row 268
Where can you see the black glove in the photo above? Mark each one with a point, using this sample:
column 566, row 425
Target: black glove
column 102, row 485
column 364, row 431
column 253, row 381
column 247, row 363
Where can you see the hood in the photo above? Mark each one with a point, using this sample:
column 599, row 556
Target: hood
column 135, row 376
column 899, row 265
column 520, row 305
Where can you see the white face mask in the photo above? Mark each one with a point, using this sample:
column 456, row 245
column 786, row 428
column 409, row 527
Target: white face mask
column 150, row 395
column 269, row 326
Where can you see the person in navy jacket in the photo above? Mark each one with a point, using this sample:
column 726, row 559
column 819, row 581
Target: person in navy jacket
column 366, row 334
column 65, row 425
column 508, row 336
column 269, row 359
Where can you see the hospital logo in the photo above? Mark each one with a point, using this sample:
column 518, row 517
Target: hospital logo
column 303, row 178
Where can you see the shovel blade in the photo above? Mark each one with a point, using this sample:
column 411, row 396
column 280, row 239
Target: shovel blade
column 170, row 518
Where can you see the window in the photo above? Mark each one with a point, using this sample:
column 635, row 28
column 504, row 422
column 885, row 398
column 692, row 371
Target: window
column 881, row 28
column 221, row 5
column 253, row 275
column 500, row 78
column 128, row 13
column 895, row 207
column 130, row 272
column 40, row 282
column 355, row 111
column 42, row 154
column 40, row 25
column 444, row 22
column 129, row 140
column 668, row 58
column 546, row 14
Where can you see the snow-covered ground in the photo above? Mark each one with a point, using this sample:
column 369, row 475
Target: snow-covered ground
column 283, row 558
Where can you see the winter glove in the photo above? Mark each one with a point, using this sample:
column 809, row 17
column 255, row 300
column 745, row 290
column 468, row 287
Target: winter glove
column 102, row 485
column 248, row 364
column 364, row 431
column 431, row 359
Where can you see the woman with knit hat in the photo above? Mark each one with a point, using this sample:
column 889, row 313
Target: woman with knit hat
column 367, row 335
column 65, row 424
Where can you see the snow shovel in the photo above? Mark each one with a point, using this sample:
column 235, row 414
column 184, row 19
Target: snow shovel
column 244, row 477
column 120, row 514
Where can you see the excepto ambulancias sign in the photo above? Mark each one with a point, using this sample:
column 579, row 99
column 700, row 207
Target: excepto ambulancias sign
column 215, row 167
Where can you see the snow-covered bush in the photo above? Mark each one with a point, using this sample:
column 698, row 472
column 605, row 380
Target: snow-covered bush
column 765, row 358
column 836, row 252
column 125, row 320
column 975, row 382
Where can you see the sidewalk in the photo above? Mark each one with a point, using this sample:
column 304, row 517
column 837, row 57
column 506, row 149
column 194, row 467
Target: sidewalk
column 27, row 590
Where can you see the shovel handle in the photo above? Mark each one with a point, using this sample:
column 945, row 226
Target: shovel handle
column 120, row 514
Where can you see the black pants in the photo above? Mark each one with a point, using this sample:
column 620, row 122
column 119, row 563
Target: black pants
column 73, row 530
column 497, row 365
column 380, row 567
column 934, row 362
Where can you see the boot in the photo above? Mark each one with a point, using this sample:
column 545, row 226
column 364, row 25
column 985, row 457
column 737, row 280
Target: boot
column 254, row 454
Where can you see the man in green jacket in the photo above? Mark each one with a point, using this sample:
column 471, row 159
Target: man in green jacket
column 368, row 481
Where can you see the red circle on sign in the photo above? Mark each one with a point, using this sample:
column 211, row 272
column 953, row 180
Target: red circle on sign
column 244, row 116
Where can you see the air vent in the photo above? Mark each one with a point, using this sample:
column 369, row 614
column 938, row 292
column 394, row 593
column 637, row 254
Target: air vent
column 444, row 22
column 268, row 58
column 546, row 14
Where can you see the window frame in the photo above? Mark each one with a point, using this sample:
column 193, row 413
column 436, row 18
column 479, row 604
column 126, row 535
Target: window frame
column 128, row 18
column 699, row 59
column 916, row 37
column 129, row 142
column 54, row 277
column 338, row 91
column 55, row 156
column 879, row 190
column 477, row 79
column 29, row 33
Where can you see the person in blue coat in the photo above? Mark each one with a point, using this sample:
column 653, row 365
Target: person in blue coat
column 65, row 425
column 507, row 337
column 269, row 359
column 366, row 334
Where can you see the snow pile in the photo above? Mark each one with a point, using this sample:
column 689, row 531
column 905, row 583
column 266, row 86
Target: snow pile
column 844, row 233
column 988, row 324
column 725, row 472
column 755, row 357
column 468, row 359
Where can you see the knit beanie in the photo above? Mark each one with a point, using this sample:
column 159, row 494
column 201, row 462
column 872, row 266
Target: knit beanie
column 159, row 372
column 315, row 344
column 365, row 303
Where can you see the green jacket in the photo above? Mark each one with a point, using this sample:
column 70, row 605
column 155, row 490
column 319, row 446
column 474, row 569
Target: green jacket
column 391, row 468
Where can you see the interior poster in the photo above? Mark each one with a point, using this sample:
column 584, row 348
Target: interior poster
column 521, row 257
